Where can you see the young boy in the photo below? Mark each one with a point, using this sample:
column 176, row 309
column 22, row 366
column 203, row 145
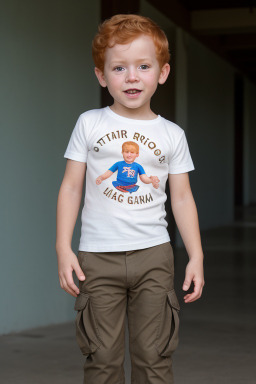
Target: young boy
column 125, row 259
column 128, row 170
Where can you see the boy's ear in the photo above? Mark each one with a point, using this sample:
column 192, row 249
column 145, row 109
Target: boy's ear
column 100, row 77
column 164, row 73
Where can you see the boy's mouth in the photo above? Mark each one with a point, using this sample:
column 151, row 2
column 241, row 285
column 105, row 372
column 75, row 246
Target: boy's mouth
column 132, row 91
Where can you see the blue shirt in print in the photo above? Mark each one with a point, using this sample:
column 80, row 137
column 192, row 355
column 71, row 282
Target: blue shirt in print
column 127, row 173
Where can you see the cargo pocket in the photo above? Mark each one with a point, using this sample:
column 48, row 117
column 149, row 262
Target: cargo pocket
column 167, row 333
column 87, row 333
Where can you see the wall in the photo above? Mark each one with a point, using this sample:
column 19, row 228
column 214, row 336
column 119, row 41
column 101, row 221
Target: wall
column 163, row 101
column 47, row 81
column 249, row 143
column 201, row 93
column 47, row 72
column 252, row 144
column 210, row 134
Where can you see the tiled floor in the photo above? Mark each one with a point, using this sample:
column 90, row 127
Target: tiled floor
column 217, row 335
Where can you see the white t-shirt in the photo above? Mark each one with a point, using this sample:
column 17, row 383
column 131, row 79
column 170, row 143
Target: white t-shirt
column 123, row 213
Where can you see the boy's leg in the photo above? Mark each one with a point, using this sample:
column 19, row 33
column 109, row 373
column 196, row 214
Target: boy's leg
column 152, row 314
column 100, row 321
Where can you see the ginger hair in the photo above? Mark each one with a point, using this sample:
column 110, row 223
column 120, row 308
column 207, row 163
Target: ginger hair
column 122, row 29
column 130, row 144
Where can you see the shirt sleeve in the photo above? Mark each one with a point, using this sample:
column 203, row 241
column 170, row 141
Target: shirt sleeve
column 114, row 167
column 141, row 170
column 180, row 160
column 77, row 148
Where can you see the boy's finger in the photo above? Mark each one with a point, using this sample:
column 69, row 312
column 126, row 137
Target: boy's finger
column 196, row 294
column 71, row 285
column 71, row 292
column 190, row 297
column 79, row 272
column 187, row 283
column 68, row 289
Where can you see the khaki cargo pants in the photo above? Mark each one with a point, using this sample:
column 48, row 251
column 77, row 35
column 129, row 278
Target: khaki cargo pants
column 139, row 283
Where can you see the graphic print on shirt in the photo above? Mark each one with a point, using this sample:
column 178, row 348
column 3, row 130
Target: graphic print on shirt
column 122, row 134
column 127, row 172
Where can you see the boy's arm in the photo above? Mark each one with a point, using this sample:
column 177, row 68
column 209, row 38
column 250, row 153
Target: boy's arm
column 185, row 214
column 104, row 176
column 68, row 205
column 148, row 180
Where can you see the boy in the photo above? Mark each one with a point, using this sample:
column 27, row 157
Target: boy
column 127, row 171
column 125, row 259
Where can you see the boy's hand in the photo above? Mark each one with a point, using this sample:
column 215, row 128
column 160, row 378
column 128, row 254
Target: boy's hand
column 195, row 273
column 67, row 263
column 155, row 181
column 99, row 180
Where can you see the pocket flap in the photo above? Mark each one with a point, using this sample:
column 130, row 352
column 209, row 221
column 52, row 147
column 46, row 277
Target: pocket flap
column 81, row 301
column 173, row 300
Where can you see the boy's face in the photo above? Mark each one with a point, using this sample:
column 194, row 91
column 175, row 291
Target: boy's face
column 132, row 73
column 129, row 154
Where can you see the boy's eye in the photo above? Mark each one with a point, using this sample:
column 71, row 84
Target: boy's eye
column 144, row 66
column 118, row 69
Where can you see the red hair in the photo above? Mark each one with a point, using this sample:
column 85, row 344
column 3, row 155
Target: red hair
column 130, row 144
column 122, row 29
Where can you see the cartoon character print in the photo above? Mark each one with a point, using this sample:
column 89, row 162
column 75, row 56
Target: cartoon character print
column 128, row 170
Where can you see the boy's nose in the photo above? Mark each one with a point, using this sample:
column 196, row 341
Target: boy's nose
column 131, row 76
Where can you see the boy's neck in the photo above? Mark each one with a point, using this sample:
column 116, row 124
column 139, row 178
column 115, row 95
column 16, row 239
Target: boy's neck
column 136, row 114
